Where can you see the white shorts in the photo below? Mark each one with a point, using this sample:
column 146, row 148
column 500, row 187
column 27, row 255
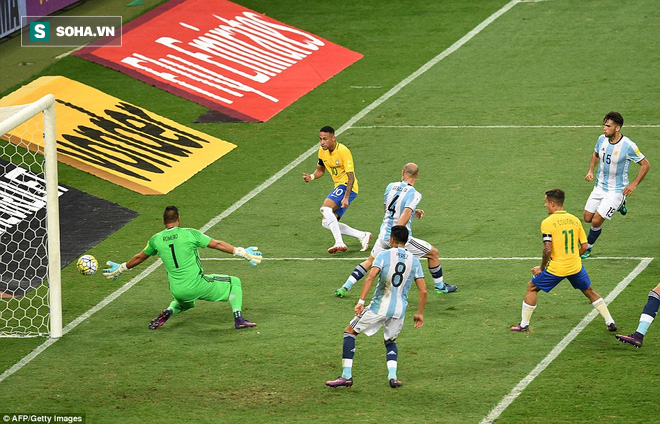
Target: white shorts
column 417, row 247
column 369, row 323
column 603, row 202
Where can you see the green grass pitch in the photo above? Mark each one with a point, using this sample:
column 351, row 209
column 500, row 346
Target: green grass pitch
column 548, row 70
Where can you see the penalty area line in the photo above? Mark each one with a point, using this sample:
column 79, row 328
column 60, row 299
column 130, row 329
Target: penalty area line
column 467, row 37
column 554, row 353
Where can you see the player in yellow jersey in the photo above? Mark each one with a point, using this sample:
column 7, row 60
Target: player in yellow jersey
column 564, row 240
column 337, row 159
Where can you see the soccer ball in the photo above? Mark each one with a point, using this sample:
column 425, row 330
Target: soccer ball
column 87, row 264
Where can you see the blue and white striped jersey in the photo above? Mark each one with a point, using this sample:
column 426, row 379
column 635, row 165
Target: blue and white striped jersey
column 614, row 163
column 398, row 196
column 398, row 269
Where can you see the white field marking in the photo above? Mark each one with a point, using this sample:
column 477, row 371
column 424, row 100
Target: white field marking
column 366, row 86
column 522, row 385
column 69, row 52
column 269, row 182
column 73, row 324
column 451, row 127
column 530, row 258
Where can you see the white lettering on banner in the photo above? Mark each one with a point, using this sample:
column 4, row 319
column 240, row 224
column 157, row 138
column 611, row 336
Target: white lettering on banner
column 246, row 46
column 22, row 193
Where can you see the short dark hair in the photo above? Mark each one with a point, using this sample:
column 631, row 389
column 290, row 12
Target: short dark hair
column 557, row 195
column 399, row 233
column 171, row 214
column 614, row 117
column 328, row 129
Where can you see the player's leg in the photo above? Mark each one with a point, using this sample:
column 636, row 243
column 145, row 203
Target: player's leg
column 648, row 315
column 392, row 328
column 363, row 236
column 331, row 223
column 222, row 288
column 423, row 249
column 544, row 281
column 362, row 269
column 590, row 208
column 176, row 307
column 582, row 282
column 347, row 355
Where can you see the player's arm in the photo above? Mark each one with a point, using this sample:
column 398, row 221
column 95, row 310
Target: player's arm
column 318, row 173
column 349, row 188
column 592, row 165
column 645, row 166
column 547, row 251
column 250, row 254
column 405, row 217
column 368, row 282
column 419, row 316
column 114, row 269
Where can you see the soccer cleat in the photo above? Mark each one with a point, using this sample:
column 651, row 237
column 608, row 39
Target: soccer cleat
column 623, row 209
column 241, row 322
column 341, row 292
column 394, row 383
column 448, row 288
column 364, row 241
column 157, row 322
column 630, row 339
column 520, row 328
column 338, row 248
column 340, row 381
column 611, row 327
column 586, row 254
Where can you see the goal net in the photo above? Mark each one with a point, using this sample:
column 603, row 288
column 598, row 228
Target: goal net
column 30, row 291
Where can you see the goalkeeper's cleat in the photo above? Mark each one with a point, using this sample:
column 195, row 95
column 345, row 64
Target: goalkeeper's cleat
column 341, row 292
column 520, row 328
column 364, row 241
column 157, row 322
column 340, row 381
column 448, row 288
column 338, row 248
column 395, row 384
column 611, row 327
column 631, row 339
column 623, row 209
column 586, row 254
column 241, row 322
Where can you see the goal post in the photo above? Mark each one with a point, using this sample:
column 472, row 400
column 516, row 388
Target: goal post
column 32, row 302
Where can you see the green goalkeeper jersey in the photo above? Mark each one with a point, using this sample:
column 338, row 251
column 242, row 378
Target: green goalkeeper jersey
column 179, row 250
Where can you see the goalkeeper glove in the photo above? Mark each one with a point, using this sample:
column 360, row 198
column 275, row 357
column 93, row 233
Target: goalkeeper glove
column 115, row 270
column 251, row 254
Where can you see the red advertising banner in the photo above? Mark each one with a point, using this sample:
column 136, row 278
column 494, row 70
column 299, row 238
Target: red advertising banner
column 224, row 56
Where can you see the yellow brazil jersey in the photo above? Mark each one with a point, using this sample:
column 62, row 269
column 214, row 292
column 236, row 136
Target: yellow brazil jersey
column 338, row 163
column 566, row 233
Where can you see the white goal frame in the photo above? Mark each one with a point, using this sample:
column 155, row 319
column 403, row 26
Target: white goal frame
column 46, row 105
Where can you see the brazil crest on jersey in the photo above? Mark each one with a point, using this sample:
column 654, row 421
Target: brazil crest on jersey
column 338, row 163
column 178, row 248
column 398, row 269
column 614, row 163
column 566, row 233
column 398, row 196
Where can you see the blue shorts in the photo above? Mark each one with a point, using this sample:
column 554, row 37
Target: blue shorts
column 336, row 195
column 546, row 281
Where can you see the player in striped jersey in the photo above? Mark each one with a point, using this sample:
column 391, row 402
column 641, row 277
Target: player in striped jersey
column 563, row 242
column 400, row 203
column 613, row 153
column 395, row 269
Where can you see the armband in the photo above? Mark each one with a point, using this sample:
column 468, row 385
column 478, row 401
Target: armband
column 361, row 302
column 311, row 177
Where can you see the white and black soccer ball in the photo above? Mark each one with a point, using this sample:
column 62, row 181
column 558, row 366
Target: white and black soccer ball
column 87, row 265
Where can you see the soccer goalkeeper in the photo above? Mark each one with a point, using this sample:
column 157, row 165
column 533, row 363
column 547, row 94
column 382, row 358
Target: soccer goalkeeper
column 178, row 248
